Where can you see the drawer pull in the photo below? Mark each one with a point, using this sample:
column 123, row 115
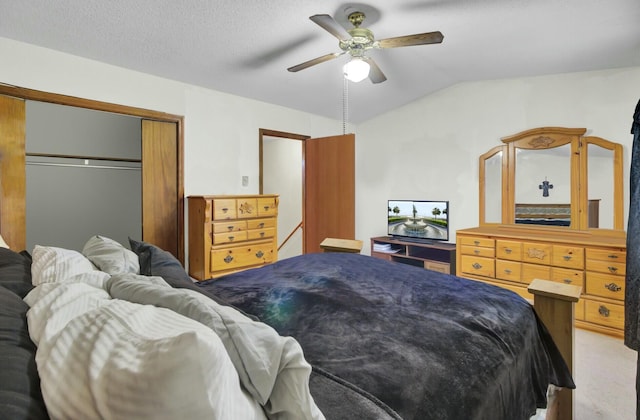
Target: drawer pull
column 266, row 208
column 262, row 234
column 230, row 228
column 476, row 266
column 507, row 250
column 231, row 238
column 613, row 287
column 567, row 281
column 259, row 254
column 507, row 271
column 566, row 257
column 228, row 259
column 614, row 256
column 602, row 310
column 476, row 251
column 476, row 242
column 225, row 209
column 261, row 225
column 612, row 269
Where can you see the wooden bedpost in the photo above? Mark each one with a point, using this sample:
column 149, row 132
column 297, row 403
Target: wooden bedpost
column 554, row 304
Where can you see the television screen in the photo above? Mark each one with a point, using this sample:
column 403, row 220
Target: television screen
column 419, row 219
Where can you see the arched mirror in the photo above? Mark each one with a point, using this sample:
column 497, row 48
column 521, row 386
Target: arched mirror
column 553, row 177
column 603, row 173
column 491, row 174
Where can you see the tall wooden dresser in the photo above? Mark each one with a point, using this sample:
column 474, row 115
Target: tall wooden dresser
column 551, row 207
column 230, row 233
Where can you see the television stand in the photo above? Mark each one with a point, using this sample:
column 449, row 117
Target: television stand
column 434, row 255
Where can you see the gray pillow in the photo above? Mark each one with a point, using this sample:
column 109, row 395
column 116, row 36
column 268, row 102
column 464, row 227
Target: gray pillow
column 155, row 261
column 110, row 256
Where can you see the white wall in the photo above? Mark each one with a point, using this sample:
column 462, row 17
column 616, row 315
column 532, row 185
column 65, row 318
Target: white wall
column 429, row 149
column 221, row 130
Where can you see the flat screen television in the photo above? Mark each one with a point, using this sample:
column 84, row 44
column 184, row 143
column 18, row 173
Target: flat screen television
column 418, row 220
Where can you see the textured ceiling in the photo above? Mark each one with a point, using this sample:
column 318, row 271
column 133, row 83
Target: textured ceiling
column 244, row 47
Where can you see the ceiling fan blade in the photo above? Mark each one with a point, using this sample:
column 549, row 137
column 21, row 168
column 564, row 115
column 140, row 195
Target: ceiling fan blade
column 375, row 74
column 331, row 26
column 408, row 40
column 315, row 61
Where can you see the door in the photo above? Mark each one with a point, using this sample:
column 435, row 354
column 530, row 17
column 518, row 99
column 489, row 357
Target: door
column 12, row 172
column 163, row 192
column 160, row 189
column 327, row 182
column 329, row 190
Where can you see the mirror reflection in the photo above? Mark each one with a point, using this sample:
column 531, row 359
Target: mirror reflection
column 493, row 188
column 543, row 186
column 600, row 176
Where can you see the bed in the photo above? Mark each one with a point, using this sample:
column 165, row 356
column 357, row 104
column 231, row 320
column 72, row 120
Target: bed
column 338, row 336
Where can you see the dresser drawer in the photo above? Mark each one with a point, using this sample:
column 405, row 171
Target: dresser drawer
column 247, row 207
column 605, row 285
column 509, row 250
column 568, row 276
column 478, row 251
column 478, row 266
column 230, row 226
column 261, row 233
column 241, row 256
column 229, row 237
column 261, row 223
column 567, row 256
column 536, row 253
column 535, row 271
column 608, row 267
column 476, row 241
column 267, row 206
column 608, row 314
column 224, row 208
column 508, row 270
column 612, row 255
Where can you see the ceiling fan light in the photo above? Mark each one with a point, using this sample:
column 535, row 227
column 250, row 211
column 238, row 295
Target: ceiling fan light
column 356, row 70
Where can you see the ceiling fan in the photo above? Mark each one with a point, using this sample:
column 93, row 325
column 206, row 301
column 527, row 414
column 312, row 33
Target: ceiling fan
column 357, row 41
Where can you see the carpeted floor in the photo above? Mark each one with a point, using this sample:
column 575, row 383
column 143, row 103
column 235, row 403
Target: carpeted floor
column 605, row 375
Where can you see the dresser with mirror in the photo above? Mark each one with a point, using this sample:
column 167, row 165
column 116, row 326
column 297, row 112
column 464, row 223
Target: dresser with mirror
column 551, row 206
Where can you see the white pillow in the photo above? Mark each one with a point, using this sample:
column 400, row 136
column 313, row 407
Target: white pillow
column 131, row 361
column 52, row 264
column 111, row 256
column 3, row 244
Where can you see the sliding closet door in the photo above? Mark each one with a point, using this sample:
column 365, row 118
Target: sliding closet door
column 329, row 179
column 12, row 172
column 161, row 195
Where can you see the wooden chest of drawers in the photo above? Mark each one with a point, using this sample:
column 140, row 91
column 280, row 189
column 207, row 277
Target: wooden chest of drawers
column 231, row 233
column 512, row 258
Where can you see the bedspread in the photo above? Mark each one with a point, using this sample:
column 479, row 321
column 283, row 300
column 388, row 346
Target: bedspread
column 426, row 344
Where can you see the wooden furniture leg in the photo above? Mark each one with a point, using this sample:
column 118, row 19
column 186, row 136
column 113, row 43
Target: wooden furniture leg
column 554, row 304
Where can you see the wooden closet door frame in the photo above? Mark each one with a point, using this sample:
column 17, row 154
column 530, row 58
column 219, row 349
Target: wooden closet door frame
column 18, row 228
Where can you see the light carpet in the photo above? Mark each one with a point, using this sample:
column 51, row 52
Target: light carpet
column 605, row 376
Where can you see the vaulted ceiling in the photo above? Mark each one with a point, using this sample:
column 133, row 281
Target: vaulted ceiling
column 244, row 47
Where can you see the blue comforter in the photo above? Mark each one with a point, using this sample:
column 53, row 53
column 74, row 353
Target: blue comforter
column 420, row 344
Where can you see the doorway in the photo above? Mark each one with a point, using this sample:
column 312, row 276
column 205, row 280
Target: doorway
column 315, row 178
column 281, row 172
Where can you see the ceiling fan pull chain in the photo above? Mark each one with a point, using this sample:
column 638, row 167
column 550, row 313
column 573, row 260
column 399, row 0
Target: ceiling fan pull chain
column 345, row 104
